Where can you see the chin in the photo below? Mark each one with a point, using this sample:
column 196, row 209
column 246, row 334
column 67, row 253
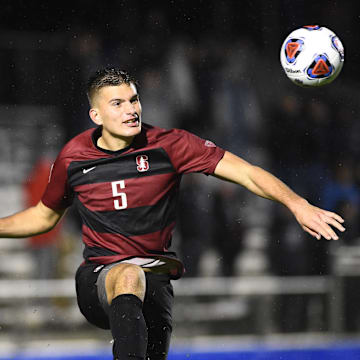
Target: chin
column 133, row 131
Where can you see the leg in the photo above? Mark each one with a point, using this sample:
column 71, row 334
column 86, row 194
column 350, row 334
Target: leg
column 157, row 311
column 125, row 290
column 87, row 296
column 125, row 279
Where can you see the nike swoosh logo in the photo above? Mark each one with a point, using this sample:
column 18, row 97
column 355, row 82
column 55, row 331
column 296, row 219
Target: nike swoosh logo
column 85, row 171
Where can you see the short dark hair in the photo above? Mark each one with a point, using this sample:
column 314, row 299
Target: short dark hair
column 107, row 77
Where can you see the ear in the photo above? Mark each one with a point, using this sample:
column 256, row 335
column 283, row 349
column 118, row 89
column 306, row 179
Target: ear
column 95, row 116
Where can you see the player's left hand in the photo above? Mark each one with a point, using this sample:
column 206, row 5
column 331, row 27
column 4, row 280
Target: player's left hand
column 318, row 222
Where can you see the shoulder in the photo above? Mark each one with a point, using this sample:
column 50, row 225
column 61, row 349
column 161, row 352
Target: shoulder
column 186, row 151
column 156, row 134
column 79, row 146
column 175, row 138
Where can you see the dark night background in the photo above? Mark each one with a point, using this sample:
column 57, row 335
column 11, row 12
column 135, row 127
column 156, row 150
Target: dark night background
column 211, row 67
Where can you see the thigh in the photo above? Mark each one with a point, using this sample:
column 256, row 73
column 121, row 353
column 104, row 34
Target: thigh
column 87, row 295
column 157, row 310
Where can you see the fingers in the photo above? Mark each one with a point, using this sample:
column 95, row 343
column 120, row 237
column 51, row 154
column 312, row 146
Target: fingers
column 326, row 231
column 333, row 215
column 333, row 221
column 322, row 227
column 320, row 223
column 312, row 233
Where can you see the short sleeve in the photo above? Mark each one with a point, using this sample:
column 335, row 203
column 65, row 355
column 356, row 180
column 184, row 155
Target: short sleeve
column 190, row 153
column 57, row 195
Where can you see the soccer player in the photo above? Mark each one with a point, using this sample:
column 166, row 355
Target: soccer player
column 124, row 177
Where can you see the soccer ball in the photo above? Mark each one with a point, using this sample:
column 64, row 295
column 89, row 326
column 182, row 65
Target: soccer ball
column 312, row 56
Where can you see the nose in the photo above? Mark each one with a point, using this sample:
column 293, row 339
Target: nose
column 130, row 108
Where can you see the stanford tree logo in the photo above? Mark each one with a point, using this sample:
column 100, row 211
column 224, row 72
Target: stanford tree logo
column 142, row 163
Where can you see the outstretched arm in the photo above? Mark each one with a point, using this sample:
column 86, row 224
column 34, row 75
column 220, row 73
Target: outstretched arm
column 32, row 221
column 312, row 219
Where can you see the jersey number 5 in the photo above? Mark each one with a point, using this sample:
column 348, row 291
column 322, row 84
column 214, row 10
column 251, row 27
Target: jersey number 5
column 121, row 203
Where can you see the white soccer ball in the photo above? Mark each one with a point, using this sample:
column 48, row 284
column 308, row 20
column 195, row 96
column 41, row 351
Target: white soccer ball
column 312, row 56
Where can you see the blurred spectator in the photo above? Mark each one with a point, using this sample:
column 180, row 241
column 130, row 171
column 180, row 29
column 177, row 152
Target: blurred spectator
column 158, row 110
column 185, row 99
column 341, row 188
column 289, row 256
column 320, row 134
column 85, row 49
column 235, row 104
column 228, row 229
column 288, row 139
column 350, row 282
column 341, row 193
column 351, row 212
column 207, row 58
column 155, row 38
column 287, row 248
column 195, row 222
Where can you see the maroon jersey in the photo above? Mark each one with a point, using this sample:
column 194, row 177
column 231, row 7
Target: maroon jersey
column 127, row 199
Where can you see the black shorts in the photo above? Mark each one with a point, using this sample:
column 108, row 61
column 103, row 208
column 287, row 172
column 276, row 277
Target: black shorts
column 157, row 308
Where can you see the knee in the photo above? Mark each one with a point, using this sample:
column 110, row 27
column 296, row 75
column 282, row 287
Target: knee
column 131, row 276
column 125, row 279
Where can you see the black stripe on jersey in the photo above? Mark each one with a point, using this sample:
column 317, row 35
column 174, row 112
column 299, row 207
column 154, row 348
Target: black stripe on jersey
column 132, row 221
column 119, row 167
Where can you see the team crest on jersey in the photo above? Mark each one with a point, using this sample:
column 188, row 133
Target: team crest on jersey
column 142, row 163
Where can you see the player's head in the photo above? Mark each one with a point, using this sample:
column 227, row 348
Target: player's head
column 115, row 104
column 107, row 77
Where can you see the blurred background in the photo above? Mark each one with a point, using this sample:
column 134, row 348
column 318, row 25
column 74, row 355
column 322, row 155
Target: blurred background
column 210, row 67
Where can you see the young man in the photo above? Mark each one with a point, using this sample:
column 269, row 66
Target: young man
column 124, row 178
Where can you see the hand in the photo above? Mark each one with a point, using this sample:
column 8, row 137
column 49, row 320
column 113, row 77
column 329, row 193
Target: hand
column 316, row 221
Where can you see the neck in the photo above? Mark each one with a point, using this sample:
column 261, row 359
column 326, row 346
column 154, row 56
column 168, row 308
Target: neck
column 113, row 143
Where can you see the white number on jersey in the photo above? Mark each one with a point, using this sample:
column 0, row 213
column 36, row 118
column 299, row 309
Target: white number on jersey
column 121, row 203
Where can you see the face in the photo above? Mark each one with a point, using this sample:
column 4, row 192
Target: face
column 118, row 110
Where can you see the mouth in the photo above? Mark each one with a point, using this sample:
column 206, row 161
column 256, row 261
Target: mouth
column 132, row 122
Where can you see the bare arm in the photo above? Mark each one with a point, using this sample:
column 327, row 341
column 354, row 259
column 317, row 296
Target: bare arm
column 312, row 219
column 32, row 221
